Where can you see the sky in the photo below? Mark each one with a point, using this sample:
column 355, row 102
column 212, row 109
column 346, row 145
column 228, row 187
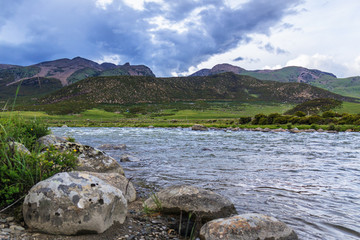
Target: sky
column 179, row 37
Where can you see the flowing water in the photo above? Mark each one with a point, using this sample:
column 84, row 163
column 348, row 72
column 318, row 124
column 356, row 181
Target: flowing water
column 311, row 181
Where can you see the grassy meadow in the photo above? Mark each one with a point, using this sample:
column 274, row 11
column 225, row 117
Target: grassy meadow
column 211, row 114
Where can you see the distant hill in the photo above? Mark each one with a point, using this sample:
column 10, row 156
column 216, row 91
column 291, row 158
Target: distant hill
column 220, row 87
column 64, row 71
column 344, row 86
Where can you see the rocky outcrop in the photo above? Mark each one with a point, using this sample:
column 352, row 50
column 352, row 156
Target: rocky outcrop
column 73, row 203
column 129, row 158
column 247, row 227
column 205, row 204
column 89, row 158
column 118, row 181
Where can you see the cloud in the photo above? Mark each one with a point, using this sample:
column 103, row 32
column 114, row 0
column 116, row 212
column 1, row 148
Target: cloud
column 239, row 59
column 168, row 36
column 319, row 61
column 271, row 49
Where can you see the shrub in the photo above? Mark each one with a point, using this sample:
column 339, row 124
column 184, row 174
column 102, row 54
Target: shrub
column 19, row 171
column 300, row 114
column 244, row 120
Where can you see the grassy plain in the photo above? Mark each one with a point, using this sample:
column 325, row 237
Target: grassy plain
column 212, row 114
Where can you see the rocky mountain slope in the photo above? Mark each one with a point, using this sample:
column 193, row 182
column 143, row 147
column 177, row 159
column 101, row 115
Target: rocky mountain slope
column 69, row 70
column 344, row 86
column 46, row 77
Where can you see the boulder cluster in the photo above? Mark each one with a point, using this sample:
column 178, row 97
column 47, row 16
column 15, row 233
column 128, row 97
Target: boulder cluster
column 96, row 195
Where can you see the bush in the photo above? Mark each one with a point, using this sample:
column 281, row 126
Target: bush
column 244, row 120
column 19, row 171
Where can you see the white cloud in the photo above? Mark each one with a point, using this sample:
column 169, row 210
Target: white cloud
column 139, row 4
column 103, row 3
column 324, row 63
column 112, row 58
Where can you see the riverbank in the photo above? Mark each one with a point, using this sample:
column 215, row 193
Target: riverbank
column 137, row 226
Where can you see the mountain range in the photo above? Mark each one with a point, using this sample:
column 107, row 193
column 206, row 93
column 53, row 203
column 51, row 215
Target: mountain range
column 80, row 75
column 344, row 86
column 45, row 77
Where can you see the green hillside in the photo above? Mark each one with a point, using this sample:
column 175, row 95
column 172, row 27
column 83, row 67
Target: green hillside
column 222, row 87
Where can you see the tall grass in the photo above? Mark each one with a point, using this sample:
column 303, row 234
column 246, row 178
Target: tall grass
column 22, row 164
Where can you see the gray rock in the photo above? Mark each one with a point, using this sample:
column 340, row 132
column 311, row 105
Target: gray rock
column 198, row 127
column 89, row 158
column 203, row 203
column 73, row 203
column 48, row 140
column 129, row 158
column 247, row 227
column 112, row 147
column 120, row 182
column 19, row 147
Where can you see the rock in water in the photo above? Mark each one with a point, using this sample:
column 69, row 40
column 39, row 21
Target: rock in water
column 247, row 227
column 198, row 127
column 112, row 147
column 129, row 158
column 73, row 203
column 203, row 203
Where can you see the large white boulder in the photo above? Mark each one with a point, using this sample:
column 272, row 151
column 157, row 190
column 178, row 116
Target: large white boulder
column 120, row 182
column 73, row 203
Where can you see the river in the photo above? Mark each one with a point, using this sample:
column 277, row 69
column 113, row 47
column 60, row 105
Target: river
column 310, row 181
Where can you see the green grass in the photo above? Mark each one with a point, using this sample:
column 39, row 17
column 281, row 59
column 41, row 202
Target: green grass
column 349, row 107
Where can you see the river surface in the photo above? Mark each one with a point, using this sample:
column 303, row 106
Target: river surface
column 311, row 181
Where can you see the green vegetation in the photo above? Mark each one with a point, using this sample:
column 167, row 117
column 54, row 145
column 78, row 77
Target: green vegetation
column 129, row 90
column 316, row 106
column 345, row 86
column 20, row 169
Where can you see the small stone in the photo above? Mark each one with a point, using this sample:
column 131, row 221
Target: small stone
column 17, row 228
column 10, row 219
column 2, row 220
column 6, row 230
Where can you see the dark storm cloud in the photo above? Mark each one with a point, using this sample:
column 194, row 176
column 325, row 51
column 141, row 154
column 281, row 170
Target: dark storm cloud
column 67, row 28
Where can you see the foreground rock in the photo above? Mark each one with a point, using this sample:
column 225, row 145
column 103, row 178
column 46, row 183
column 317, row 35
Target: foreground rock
column 89, row 159
column 203, row 203
column 247, row 227
column 73, row 203
column 118, row 181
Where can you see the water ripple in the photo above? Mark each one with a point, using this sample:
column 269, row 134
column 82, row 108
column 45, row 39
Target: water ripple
column 308, row 180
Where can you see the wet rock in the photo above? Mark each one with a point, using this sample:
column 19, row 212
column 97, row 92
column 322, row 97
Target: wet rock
column 120, row 182
column 89, row 158
column 129, row 158
column 321, row 130
column 294, row 130
column 198, row 127
column 203, row 203
column 247, row 227
column 73, row 203
column 112, row 147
